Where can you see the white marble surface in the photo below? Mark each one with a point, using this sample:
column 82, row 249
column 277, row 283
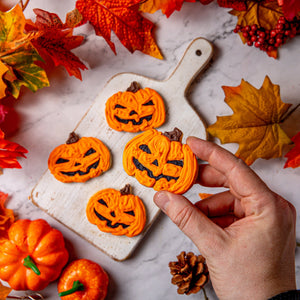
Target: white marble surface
column 48, row 115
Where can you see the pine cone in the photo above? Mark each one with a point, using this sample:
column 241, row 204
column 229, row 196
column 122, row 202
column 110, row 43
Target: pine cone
column 190, row 273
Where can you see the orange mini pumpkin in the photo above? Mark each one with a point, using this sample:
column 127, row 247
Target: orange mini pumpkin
column 83, row 279
column 117, row 212
column 79, row 159
column 161, row 161
column 32, row 256
column 135, row 110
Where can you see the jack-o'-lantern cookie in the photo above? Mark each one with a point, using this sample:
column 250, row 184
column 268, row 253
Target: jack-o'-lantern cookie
column 135, row 110
column 117, row 212
column 79, row 159
column 161, row 161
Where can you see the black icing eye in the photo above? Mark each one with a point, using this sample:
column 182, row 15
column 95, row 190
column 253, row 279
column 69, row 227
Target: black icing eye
column 89, row 152
column 148, row 103
column 145, row 148
column 61, row 161
column 119, row 106
column 131, row 212
column 176, row 162
column 101, row 201
column 155, row 163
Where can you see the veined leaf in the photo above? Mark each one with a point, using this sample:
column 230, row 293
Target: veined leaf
column 255, row 124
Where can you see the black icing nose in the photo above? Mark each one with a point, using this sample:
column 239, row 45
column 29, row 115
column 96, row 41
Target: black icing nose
column 133, row 112
column 113, row 214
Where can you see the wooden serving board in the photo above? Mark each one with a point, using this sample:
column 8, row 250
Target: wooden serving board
column 66, row 202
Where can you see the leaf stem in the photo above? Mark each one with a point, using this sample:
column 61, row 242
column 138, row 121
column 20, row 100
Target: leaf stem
column 205, row 296
column 77, row 286
column 24, row 5
column 289, row 113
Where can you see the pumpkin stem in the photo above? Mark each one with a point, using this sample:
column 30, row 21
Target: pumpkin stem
column 134, row 87
column 77, row 286
column 126, row 190
column 73, row 138
column 29, row 263
column 175, row 135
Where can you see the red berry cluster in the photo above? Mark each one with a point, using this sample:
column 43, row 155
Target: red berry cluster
column 269, row 40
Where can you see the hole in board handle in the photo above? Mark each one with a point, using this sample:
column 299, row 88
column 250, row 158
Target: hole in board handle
column 198, row 52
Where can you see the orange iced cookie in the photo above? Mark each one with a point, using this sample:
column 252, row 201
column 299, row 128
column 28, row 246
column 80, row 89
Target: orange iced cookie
column 135, row 110
column 79, row 159
column 117, row 212
column 161, row 161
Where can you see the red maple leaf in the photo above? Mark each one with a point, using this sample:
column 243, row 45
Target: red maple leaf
column 9, row 152
column 290, row 8
column 122, row 17
column 293, row 155
column 235, row 4
column 55, row 40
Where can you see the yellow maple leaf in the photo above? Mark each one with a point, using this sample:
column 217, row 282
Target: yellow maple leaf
column 255, row 124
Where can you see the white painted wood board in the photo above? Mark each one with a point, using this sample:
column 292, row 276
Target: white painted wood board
column 66, row 202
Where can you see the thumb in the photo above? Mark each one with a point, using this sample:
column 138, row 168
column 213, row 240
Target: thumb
column 204, row 233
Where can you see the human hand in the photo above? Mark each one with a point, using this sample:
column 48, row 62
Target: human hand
column 246, row 234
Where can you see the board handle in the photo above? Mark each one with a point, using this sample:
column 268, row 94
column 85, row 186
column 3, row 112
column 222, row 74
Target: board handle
column 194, row 60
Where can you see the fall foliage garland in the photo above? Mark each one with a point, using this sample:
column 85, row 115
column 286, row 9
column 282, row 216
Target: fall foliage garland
column 30, row 46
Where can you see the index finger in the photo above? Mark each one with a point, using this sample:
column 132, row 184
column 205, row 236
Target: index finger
column 242, row 181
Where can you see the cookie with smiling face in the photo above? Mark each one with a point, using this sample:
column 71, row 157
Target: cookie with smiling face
column 161, row 161
column 135, row 110
column 117, row 212
column 79, row 159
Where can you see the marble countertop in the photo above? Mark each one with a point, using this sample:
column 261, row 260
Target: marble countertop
column 50, row 113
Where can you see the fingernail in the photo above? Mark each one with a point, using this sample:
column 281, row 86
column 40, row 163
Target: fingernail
column 161, row 199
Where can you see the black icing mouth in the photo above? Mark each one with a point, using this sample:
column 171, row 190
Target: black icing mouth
column 93, row 166
column 134, row 122
column 140, row 167
column 108, row 222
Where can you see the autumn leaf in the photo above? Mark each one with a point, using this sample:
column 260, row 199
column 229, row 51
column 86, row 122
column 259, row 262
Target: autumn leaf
column 4, row 291
column 235, row 4
column 18, row 55
column 255, row 123
column 290, row 8
column 293, row 156
column 167, row 6
column 9, row 152
column 3, row 70
column 55, row 40
column 6, row 217
column 204, row 195
column 133, row 30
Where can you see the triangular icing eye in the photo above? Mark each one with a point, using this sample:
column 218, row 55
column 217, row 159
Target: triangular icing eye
column 131, row 212
column 176, row 162
column 119, row 106
column 148, row 103
column 61, row 161
column 89, row 152
column 101, row 201
column 145, row 148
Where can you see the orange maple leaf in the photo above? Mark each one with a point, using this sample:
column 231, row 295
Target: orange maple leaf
column 204, row 195
column 167, row 6
column 4, row 291
column 9, row 152
column 293, row 155
column 55, row 40
column 6, row 216
column 255, row 124
column 3, row 86
column 121, row 16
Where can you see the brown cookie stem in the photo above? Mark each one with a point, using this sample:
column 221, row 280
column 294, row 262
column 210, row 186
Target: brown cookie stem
column 134, row 87
column 126, row 190
column 73, row 138
column 175, row 135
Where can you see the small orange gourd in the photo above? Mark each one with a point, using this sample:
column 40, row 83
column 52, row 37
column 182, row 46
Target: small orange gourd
column 79, row 160
column 32, row 256
column 135, row 110
column 117, row 212
column 161, row 161
column 83, row 279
